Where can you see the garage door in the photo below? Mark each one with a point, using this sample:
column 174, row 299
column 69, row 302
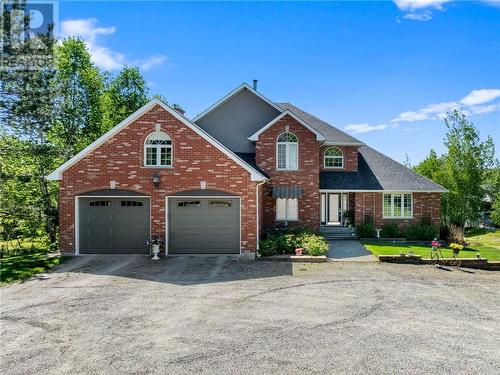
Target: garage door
column 113, row 225
column 204, row 226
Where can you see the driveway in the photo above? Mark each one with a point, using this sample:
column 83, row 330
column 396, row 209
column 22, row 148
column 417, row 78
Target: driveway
column 129, row 315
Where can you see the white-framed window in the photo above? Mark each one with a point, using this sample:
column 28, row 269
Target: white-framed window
column 287, row 209
column 158, row 150
column 287, row 152
column 334, row 158
column 398, row 205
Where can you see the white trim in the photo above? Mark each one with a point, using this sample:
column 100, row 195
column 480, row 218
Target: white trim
column 243, row 86
column 254, row 174
column 392, row 217
column 77, row 213
column 158, row 151
column 325, row 156
column 167, row 233
column 257, row 218
column 287, row 159
column 255, row 136
column 332, row 143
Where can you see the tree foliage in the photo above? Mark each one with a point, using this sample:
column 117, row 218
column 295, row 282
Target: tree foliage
column 462, row 170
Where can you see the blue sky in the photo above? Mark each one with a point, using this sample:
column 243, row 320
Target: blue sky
column 384, row 71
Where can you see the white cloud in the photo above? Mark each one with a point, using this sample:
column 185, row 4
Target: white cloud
column 480, row 96
column 424, row 16
column 103, row 57
column 419, row 4
column 469, row 105
column 363, row 128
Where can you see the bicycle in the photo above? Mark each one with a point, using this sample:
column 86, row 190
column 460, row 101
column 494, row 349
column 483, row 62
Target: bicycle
column 436, row 254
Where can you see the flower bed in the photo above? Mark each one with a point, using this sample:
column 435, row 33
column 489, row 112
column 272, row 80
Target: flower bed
column 285, row 242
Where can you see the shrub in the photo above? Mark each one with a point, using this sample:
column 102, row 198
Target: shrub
column 314, row 245
column 268, row 247
column 421, row 232
column 366, row 230
column 456, row 234
column 390, row 230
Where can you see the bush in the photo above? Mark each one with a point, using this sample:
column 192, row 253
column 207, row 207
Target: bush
column 390, row 230
column 314, row 245
column 286, row 243
column 366, row 230
column 421, row 232
column 456, row 234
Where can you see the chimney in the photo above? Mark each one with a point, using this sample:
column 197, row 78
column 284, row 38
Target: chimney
column 255, row 84
column 178, row 109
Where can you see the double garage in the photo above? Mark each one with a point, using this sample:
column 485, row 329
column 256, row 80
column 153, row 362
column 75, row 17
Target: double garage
column 119, row 222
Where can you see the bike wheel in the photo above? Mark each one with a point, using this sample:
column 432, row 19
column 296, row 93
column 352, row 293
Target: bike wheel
column 434, row 258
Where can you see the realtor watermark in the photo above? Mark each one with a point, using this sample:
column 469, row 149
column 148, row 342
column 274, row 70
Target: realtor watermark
column 28, row 33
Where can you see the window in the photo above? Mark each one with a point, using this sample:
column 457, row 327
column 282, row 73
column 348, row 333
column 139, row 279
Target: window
column 287, row 150
column 131, row 203
column 334, row 158
column 219, row 204
column 287, row 209
column 189, row 204
column 158, row 150
column 398, row 206
column 99, row 203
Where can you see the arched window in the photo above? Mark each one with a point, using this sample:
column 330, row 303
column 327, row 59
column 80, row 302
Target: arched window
column 287, row 152
column 334, row 158
column 158, row 150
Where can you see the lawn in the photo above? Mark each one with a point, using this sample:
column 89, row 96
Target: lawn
column 488, row 246
column 24, row 258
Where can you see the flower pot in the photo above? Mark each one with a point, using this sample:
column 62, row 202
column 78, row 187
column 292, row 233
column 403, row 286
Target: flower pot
column 156, row 251
column 299, row 251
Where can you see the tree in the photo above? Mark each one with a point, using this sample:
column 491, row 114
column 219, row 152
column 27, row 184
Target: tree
column 79, row 86
column 495, row 209
column 124, row 95
column 407, row 161
column 462, row 170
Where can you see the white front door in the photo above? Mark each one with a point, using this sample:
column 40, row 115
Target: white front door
column 333, row 209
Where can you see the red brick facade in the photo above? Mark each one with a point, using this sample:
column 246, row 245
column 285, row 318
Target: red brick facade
column 120, row 159
column 307, row 175
column 369, row 205
column 350, row 158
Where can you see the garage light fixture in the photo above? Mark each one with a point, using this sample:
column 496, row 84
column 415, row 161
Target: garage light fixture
column 156, row 179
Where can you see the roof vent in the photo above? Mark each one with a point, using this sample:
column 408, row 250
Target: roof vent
column 255, row 84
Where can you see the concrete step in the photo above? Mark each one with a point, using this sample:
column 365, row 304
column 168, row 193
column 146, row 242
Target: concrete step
column 339, row 237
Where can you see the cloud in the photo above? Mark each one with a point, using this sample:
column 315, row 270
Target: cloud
column 409, row 5
column 103, row 57
column 480, row 96
column 471, row 104
column 424, row 16
column 363, row 128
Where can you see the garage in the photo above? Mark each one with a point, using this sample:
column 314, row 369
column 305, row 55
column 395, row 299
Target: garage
column 204, row 225
column 113, row 225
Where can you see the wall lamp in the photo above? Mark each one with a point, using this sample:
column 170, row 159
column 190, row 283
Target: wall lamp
column 156, row 179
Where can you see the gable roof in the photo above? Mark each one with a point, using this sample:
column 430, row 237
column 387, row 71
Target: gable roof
column 255, row 174
column 237, row 90
column 255, row 136
column 377, row 172
column 333, row 136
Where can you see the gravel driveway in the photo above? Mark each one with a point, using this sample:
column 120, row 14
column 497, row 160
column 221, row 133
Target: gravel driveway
column 128, row 315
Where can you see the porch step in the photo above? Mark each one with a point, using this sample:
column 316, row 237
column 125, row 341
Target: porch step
column 338, row 233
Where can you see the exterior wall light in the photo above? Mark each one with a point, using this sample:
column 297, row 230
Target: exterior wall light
column 156, row 179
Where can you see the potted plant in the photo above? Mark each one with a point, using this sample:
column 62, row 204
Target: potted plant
column 299, row 251
column 456, row 248
column 154, row 242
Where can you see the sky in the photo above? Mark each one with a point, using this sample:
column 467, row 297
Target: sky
column 384, row 71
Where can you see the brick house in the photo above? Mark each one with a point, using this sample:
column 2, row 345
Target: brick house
column 216, row 183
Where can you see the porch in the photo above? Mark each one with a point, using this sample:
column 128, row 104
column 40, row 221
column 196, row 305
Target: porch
column 337, row 209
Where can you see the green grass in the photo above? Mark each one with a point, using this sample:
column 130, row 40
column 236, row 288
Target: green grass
column 22, row 267
column 24, row 246
column 488, row 246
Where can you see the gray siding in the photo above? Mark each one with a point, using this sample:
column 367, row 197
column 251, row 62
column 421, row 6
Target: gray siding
column 237, row 119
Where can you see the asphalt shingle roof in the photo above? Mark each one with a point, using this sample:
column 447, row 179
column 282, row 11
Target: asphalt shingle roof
column 331, row 134
column 377, row 172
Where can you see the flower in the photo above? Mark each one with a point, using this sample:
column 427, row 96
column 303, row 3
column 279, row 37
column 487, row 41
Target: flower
column 456, row 246
column 154, row 240
column 435, row 244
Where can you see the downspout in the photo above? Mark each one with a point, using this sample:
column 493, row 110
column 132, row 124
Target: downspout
column 257, row 213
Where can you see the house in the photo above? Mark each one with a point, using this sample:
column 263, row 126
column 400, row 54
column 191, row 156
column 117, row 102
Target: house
column 216, row 183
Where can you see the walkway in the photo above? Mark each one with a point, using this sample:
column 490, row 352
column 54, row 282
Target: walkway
column 349, row 250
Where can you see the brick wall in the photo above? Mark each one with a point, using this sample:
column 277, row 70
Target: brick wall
column 350, row 158
column 424, row 205
column 121, row 159
column 307, row 175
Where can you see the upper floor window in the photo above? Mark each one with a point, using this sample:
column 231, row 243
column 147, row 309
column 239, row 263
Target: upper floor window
column 287, row 152
column 158, row 150
column 334, row 158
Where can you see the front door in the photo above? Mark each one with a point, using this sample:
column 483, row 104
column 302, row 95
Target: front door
column 333, row 209
column 332, row 206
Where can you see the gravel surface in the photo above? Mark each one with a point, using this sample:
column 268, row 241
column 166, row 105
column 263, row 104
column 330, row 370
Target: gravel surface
column 129, row 315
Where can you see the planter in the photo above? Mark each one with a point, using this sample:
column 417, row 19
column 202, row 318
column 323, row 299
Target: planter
column 156, row 250
column 299, row 251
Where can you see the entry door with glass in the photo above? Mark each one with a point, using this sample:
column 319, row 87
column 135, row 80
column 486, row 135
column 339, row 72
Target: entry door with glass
column 332, row 206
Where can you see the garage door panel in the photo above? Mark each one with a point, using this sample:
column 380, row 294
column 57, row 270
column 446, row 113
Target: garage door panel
column 108, row 226
column 203, row 226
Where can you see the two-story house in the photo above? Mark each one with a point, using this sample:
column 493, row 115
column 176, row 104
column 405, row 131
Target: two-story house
column 216, row 183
